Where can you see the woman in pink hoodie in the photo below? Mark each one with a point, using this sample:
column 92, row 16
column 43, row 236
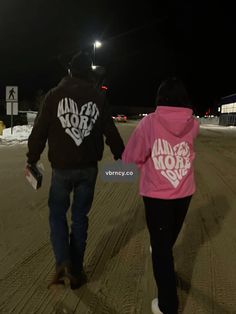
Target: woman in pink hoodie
column 162, row 147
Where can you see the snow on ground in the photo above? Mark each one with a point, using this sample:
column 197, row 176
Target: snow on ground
column 21, row 133
column 218, row 127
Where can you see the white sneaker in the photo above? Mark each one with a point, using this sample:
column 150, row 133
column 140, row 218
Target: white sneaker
column 155, row 307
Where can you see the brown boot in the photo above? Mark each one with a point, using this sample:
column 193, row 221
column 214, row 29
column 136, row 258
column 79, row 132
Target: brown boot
column 77, row 281
column 58, row 278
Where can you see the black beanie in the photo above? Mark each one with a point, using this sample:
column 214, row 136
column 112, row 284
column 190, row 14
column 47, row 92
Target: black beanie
column 80, row 62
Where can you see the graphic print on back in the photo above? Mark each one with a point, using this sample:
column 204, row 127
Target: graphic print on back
column 173, row 162
column 77, row 124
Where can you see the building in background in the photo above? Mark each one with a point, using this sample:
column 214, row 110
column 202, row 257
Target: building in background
column 228, row 110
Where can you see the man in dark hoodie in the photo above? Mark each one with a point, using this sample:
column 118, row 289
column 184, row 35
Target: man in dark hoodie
column 73, row 118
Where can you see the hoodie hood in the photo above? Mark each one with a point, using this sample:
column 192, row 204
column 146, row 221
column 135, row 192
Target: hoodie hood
column 177, row 120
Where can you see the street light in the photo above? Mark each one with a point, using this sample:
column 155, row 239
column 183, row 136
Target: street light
column 96, row 44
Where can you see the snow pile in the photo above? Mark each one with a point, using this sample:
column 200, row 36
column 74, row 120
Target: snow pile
column 20, row 133
column 218, row 127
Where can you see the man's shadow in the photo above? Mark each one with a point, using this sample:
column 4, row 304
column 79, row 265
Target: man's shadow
column 96, row 298
column 201, row 225
column 120, row 230
column 92, row 302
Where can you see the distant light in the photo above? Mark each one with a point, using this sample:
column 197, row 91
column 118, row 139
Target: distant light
column 97, row 44
column 94, row 67
column 219, row 109
column 104, row 87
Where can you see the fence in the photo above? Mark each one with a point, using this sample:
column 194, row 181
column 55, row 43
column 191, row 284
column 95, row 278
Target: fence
column 227, row 119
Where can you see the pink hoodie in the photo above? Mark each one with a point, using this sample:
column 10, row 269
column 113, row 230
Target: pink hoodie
column 162, row 147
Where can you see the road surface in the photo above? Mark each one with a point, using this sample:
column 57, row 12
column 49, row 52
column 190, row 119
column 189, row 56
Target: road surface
column 117, row 258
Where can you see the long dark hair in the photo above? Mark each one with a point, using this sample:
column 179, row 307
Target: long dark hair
column 172, row 92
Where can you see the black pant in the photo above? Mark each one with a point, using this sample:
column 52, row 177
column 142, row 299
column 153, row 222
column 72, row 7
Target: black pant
column 164, row 220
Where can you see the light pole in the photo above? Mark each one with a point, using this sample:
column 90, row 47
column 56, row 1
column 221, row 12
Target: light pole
column 96, row 44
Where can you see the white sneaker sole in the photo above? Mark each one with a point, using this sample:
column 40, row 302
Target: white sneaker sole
column 155, row 307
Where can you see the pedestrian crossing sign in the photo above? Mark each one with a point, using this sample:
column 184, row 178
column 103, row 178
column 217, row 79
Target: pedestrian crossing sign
column 12, row 93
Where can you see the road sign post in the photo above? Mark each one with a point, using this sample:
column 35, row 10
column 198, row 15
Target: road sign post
column 12, row 102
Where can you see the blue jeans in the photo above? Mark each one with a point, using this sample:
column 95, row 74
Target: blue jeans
column 69, row 247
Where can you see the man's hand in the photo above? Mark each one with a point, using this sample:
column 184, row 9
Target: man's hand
column 26, row 169
column 33, row 175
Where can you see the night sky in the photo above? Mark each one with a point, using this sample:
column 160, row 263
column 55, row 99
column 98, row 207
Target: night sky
column 142, row 45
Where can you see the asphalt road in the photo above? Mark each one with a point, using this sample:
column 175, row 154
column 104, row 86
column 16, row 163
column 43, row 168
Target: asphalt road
column 117, row 257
